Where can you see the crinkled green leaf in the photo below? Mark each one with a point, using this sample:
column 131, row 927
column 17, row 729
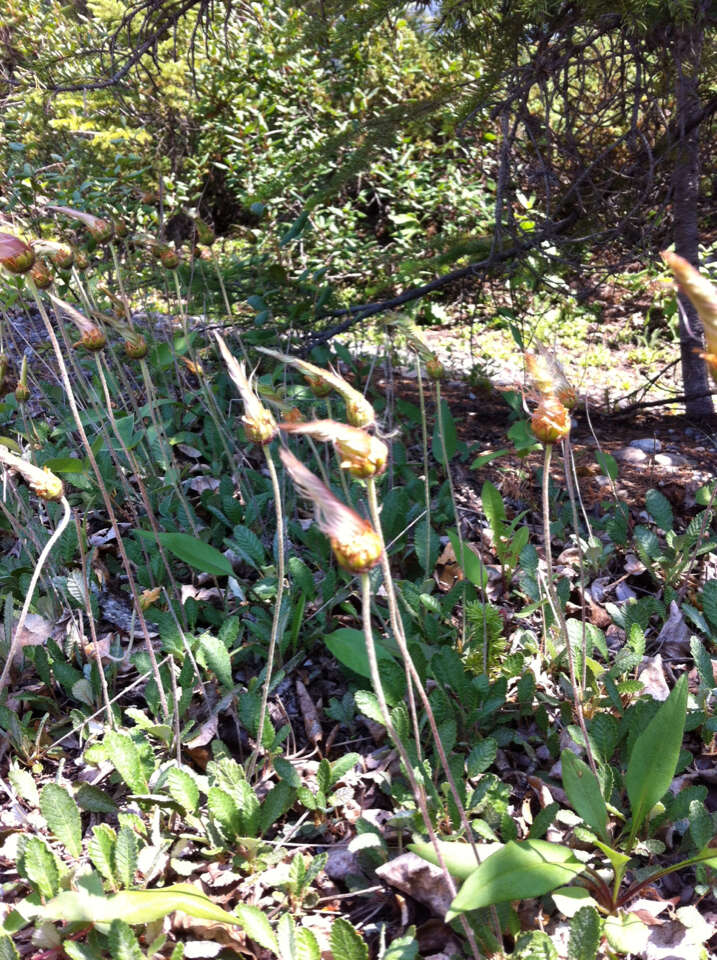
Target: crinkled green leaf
column 62, row 816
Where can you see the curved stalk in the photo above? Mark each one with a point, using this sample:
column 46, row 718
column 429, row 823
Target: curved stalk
column 557, row 608
column 273, row 639
column 15, row 641
column 417, row 788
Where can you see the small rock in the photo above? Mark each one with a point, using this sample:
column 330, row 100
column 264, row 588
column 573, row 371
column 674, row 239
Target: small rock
column 341, row 864
column 630, row 455
column 647, row 444
column 671, row 460
column 419, row 879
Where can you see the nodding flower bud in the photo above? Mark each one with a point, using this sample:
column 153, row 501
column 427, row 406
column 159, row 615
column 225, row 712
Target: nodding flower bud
column 82, row 261
column 121, row 229
column 359, row 411
column 259, row 423
column 318, row 386
column 63, row 258
column 41, row 276
column 362, row 454
column 434, row 368
column 205, row 234
column 99, row 229
column 42, row 481
column 91, row 337
column 169, row 259
column 22, row 393
column 135, row 346
column 550, row 421
column 356, row 545
column 15, row 255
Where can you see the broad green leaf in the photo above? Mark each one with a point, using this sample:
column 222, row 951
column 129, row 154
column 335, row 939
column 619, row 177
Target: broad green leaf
column 585, row 934
column 224, row 810
column 658, row 506
column 7, row 949
column 275, row 804
column 569, row 900
column 522, row 869
column 192, row 551
column 341, row 767
column 123, row 943
column 24, row 783
column 125, row 856
column 349, row 647
column 62, row 816
column 492, row 504
column 94, row 800
column 654, row 756
column 307, row 946
column 218, row 660
column 584, row 792
column 459, row 858
column 346, row 942
column 286, row 937
column 703, row 662
column 248, row 808
column 40, row 867
column 626, row 933
column 367, row 704
column 607, row 463
column 133, row 906
column 122, row 752
column 101, row 850
column 257, row 927
column 535, row 945
column 249, row 545
column 709, row 602
column 481, row 757
column 183, row 789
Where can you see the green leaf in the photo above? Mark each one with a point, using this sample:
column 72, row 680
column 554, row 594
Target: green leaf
column 132, row 906
column 607, row 463
column 307, row 946
column 101, row 850
column 192, row 551
column 535, row 945
column 703, row 662
column 367, row 704
column 218, row 660
column 346, row 942
column 224, row 811
column 459, row 858
column 183, row 788
column 522, row 869
column 584, row 794
column 40, row 867
column 275, row 804
column 349, row 648
column 403, row 948
column 425, row 538
column 450, row 437
column 257, row 927
column 94, row 800
column 286, row 937
column 249, row 546
column 709, row 602
column 658, row 506
column 585, row 934
column 7, row 949
column 62, row 816
column 481, row 757
column 471, row 563
column 123, row 943
column 124, row 755
column 125, row 856
column 626, row 933
column 340, row 767
column 654, row 756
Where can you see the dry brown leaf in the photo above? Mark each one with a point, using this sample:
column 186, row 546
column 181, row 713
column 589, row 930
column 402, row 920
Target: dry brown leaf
column 312, row 724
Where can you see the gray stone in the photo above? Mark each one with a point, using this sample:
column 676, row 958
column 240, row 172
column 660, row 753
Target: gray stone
column 630, row 455
column 671, row 460
column 647, row 444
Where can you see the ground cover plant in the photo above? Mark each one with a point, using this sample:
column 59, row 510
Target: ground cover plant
column 292, row 668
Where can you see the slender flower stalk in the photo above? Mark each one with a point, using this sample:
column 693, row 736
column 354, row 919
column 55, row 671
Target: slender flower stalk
column 105, row 496
column 48, row 487
column 261, row 428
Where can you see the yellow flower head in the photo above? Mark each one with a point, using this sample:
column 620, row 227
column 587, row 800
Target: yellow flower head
column 259, row 423
column 15, row 255
column 362, row 454
column 355, row 543
column 91, row 336
column 359, row 411
column 99, row 229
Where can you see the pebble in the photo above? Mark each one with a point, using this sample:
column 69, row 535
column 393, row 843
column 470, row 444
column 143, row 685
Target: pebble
column 630, row 455
column 647, row 444
column 671, row 460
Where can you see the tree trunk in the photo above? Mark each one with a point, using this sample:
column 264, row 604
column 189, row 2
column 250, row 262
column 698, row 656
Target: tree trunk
column 685, row 186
